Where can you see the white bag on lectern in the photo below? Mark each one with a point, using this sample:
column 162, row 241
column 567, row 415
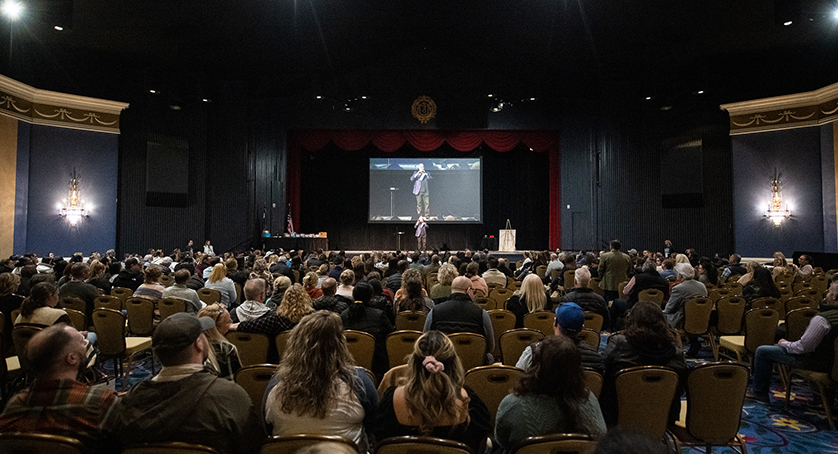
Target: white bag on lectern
column 507, row 240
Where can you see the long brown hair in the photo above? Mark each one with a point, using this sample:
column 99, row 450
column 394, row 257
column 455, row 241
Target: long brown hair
column 646, row 325
column 295, row 304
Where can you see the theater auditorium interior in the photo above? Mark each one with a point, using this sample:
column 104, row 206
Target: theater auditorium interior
column 252, row 124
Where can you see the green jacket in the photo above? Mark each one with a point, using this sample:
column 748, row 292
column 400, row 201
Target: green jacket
column 614, row 268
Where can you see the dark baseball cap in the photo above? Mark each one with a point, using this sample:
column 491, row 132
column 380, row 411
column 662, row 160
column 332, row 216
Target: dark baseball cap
column 570, row 317
column 179, row 331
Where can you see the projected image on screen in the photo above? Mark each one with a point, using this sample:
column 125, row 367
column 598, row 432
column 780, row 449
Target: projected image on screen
column 440, row 189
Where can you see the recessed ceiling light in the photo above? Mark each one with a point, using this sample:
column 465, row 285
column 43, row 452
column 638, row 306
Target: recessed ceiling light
column 787, row 23
column 835, row 15
column 152, row 91
column 205, row 100
column 532, row 99
column 363, row 97
column 59, row 28
column 174, row 107
column 700, row 92
column 318, row 97
column 490, row 95
column 648, row 98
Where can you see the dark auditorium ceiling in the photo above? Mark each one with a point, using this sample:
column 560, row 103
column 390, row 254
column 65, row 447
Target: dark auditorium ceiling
column 731, row 49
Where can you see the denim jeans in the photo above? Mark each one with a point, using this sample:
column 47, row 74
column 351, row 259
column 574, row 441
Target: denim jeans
column 764, row 359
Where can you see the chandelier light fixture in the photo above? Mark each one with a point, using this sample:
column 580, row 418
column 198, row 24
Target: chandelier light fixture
column 74, row 210
column 777, row 212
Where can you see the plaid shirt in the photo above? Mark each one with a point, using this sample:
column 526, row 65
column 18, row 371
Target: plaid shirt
column 62, row 407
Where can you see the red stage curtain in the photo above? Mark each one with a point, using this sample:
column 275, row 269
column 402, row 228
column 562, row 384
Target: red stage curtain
column 391, row 141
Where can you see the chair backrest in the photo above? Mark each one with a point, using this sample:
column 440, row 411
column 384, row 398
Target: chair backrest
column 299, row 443
column 820, row 282
column 140, row 316
column 492, row 383
column 166, row 280
column 590, row 337
column 569, row 277
column 620, row 287
column 15, row 314
column 281, row 342
column 644, row 396
column 392, row 377
column 30, row 443
column 502, row 321
column 110, row 331
column 252, row 347
column 593, row 381
column 785, row 293
column 420, row 445
column 122, row 293
column 760, row 326
column 21, row 333
column 540, row 321
column 470, row 347
column 170, row 306
column 209, row 296
column 239, row 293
column 500, row 295
column 410, row 320
column 813, row 293
column 254, row 379
column 797, row 321
column 769, row 302
column 556, row 444
column 798, row 302
column 715, row 393
column 485, row 302
column 78, row 319
column 651, row 294
column 719, row 293
column 71, row 302
column 593, row 284
column 593, row 321
column 171, row 447
column 554, row 273
column 541, row 271
column 731, row 310
column 108, row 301
column 515, row 341
column 697, row 315
column 361, row 346
column 735, row 287
column 399, row 345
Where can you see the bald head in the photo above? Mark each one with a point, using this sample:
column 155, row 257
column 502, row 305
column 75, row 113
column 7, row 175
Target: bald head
column 329, row 286
column 59, row 351
column 461, row 284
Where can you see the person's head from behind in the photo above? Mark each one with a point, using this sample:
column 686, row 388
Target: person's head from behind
column 493, row 263
column 219, row 272
column 446, row 274
column 763, row 278
column 79, row 271
column 434, row 381
column 254, row 290
column 152, row 274
column 281, row 285
column 570, row 320
column 616, row 245
column 310, row 280
column 9, row 283
column 462, row 284
column 182, row 276
column 43, row 294
column 412, row 283
column 532, row 291
column 347, row 278
column 329, row 286
column 780, row 259
column 260, row 266
column 58, row 351
column 685, row 271
column 295, row 304
column 646, row 325
column 581, row 277
column 180, row 339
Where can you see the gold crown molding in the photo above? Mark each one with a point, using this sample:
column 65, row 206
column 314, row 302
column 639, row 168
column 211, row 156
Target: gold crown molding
column 62, row 110
column 799, row 110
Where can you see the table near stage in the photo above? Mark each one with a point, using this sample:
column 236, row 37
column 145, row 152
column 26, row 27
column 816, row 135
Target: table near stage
column 308, row 243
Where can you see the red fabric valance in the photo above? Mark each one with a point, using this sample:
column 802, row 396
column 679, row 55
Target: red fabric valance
column 391, row 141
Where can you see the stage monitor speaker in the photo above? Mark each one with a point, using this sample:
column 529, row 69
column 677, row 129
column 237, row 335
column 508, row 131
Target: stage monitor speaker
column 682, row 176
column 167, row 171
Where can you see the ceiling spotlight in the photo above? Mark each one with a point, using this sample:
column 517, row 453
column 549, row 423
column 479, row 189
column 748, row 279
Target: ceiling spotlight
column 59, row 28
column 205, row 100
column 318, row 97
column 648, row 98
column 700, row 92
column 363, row 97
column 532, row 99
column 787, row 23
column 835, row 15
column 12, row 9
column 174, row 107
column 490, row 95
column 152, row 91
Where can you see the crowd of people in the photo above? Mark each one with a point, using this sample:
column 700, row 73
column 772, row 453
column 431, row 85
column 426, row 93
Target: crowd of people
column 317, row 388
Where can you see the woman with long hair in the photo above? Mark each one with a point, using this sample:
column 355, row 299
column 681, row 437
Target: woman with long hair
column 550, row 398
column 433, row 401
column 151, row 287
column 218, row 280
column 707, row 273
column 532, row 298
column 260, row 271
column 445, row 276
column 223, row 357
column 99, row 278
column 648, row 340
column 39, row 307
column 781, row 266
column 749, row 275
column 317, row 389
column 362, row 316
column 477, row 282
column 310, row 282
column 761, row 285
column 295, row 305
column 412, row 296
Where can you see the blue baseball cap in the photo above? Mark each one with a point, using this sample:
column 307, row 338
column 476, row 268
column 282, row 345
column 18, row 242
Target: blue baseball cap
column 570, row 317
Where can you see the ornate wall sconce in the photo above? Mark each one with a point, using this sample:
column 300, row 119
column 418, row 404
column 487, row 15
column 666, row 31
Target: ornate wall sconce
column 776, row 211
column 74, row 210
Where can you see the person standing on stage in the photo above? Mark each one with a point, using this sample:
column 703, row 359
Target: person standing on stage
column 421, row 233
column 420, row 189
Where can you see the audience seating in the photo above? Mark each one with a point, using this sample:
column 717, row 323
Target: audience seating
column 502, row 321
column 470, row 347
column 33, row 443
column 15, row 314
column 252, row 347
column 735, row 287
column 541, row 271
column 170, row 306
column 140, row 316
column 410, row 320
column 620, row 287
column 400, row 345
column 556, row 444
column 166, row 280
column 70, row 302
column 652, row 295
column 797, row 321
column 719, row 293
column 485, row 302
column 514, row 342
column 771, row 303
column 785, row 294
column 209, row 295
column 493, row 285
column 731, row 311
column 825, row 381
column 108, row 301
column 697, row 319
column 540, row 321
column 593, row 284
column 492, row 383
column 172, row 447
column 78, row 319
column 715, row 393
column 500, row 295
column 593, row 381
column 239, row 293
column 593, row 321
column 590, row 337
column 392, row 378
column 254, row 379
column 122, row 293
column 798, row 302
column 812, row 293
column 361, row 346
column 760, row 325
column 644, row 397
column 554, row 273
column 110, row 334
column 420, row 445
column 569, row 277
column 281, row 342
column 21, row 333
column 291, row 444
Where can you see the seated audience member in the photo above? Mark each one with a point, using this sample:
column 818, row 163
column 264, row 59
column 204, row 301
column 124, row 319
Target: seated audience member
column 195, row 281
column 99, row 278
column 78, row 288
column 281, row 267
column 322, row 274
column 667, row 270
column 805, row 268
column 337, row 268
column 688, row 288
column 132, row 276
column 412, row 296
column 9, row 301
column 707, row 273
column 180, row 290
column 223, row 358
column 56, row 402
column 813, row 351
column 550, row 398
column 733, row 267
column 762, row 285
column 218, row 280
column 445, row 276
column 26, row 274
column 329, row 301
column 151, row 287
column 185, row 401
column 346, row 282
column 648, row 340
column 394, row 281
column 281, row 285
column 459, row 314
column 586, row 298
column 433, row 267
column 254, row 305
column 554, row 264
column 570, row 320
column 361, row 316
column 749, row 275
column 433, row 401
column 236, row 275
column 493, row 275
column 317, row 389
column 781, row 266
column 472, row 270
column 311, row 284
column 294, row 306
column 532, row 298
column 647, row 278
column 39, row 307
column 260, row 271
column 503, row 267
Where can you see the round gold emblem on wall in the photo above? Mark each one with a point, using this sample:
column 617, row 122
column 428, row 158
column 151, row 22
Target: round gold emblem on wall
column 423, row 109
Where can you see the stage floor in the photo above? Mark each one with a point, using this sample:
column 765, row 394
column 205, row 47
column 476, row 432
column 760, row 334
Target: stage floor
column 511, row 256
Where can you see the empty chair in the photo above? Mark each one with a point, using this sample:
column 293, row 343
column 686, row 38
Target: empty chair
column 813, row 293
column 361, row 346
column 140, row 312
column 731, row 311
column 697, row 319
column 410, row 320
column 486, row 302
column 471, row 348
column 719, row 293
column 110, row 334
column 593, row 381
column 651, row 294
column 170, row 306
column 593, row 284
column 590, row 337
column 166, row 280
column 541, row 271
column 78, row 319
column 760, row 325
column 568, row 277
column 769, row 302
column 644, row 398
column 735, row 287
column 281, row 341
column 492, row 383
column 32, row 443
column 542, row 321
column 122, row 293
column 420, row 445
column 514, row 342
column 70, row 302
column 108, row 301
column 593, row 321
column 253, row 348
column 254, row 379
column 502, row 321
column 556, row 444
column 799, row 301
column 399, row 345
column 209, row 296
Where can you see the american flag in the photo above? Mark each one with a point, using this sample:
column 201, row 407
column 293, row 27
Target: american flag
column 290, row 222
